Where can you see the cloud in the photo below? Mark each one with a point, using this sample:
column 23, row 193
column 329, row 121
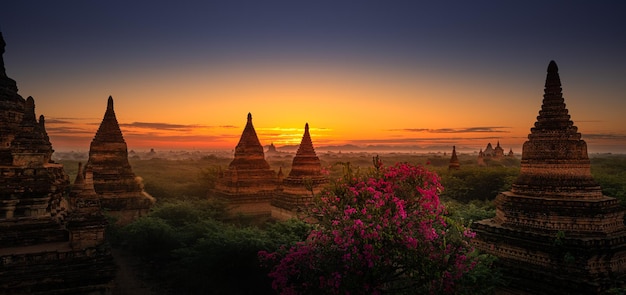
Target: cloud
column 604, row 136
column 161, row 126
column 457, row 130
column 57, row 121
column 68, row 131
column 414, row 140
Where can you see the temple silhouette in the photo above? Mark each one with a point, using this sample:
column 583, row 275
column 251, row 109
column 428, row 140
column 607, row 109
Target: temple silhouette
column 120, row 190
column 47, row 246
column 554, row 232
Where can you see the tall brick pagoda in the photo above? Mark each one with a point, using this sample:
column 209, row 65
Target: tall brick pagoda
column 121, row 192
column 554, row 232
column 248, row 185
column 39, row 252
column 304, row 181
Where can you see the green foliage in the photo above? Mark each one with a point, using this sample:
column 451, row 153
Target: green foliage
column 466, row 213
column 191, row 250
column 477, row 183
column 610, row 172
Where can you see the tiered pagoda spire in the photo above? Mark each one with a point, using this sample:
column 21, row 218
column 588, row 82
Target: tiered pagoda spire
column 248, row 184
column 121, row 191
column 554, row 232
column 5, row 81
column 44, row 247
column 305, row 180
column 249, row 151
column 31, row 139
column 554, row 159
column 306, row 163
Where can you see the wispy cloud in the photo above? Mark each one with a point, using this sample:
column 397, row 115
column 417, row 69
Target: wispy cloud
column 162, row 126
column 68, row 131
column 604, row 136
column 496, row 129
column 414, row 140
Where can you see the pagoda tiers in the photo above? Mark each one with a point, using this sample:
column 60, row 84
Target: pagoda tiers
column 39, row 253
column 304, row 181
column 554, row 232
column 454, row 161
column 248, row 185
column 120, row 191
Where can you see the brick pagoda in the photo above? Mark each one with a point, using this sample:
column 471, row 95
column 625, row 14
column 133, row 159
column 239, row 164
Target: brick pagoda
column 248, row 185
column 554, row 232
column 304, row 181
column 42, row 250
column 121, row 192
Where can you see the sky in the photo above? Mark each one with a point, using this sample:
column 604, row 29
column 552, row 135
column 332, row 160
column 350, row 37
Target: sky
column 417, row 75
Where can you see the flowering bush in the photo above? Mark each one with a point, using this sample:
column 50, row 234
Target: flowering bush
column 381, row 233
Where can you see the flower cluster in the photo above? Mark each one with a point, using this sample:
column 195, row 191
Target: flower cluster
column 381, row 233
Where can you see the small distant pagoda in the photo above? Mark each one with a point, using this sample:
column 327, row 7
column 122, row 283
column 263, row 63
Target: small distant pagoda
column 248, row 185
column 454, row 160
column 304, row 181
column 554, row 232
column 120, row 191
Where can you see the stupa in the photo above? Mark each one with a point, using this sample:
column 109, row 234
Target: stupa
column 304, row 181
column 554, row 232
column 39, row 252
column 248, row 185
column 454, row 160
column 120, row 191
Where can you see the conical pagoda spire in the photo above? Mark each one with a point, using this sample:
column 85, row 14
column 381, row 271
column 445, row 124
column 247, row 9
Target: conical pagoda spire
column 306, row 145
column 554, row 159
column 454, row 160
column 2, row 45
column 554, row 114
column 5, row 81
column 109, row 130
column 306, row 162
column 249, row 151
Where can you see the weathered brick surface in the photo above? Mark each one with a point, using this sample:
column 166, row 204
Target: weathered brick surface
column 554, row 232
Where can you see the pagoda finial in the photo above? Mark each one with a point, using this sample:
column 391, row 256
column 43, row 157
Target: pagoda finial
column 5, row 81
column 249, row 117
column 110, row 103
column 552, row 79
column 306, row 127
column 2, row 45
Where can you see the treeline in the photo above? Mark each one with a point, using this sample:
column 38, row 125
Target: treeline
column 187, row 248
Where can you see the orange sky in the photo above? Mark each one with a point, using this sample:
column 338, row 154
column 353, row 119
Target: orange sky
column 206, row 109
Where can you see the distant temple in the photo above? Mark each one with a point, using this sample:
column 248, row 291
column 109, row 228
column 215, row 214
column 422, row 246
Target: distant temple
column 271, row 149
column 121, row 192
column 554, row 232
column 454, row 160
column 248, row 185
column 46, row 246
column 496, row 153
column 304, row 181
column 491, row 153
